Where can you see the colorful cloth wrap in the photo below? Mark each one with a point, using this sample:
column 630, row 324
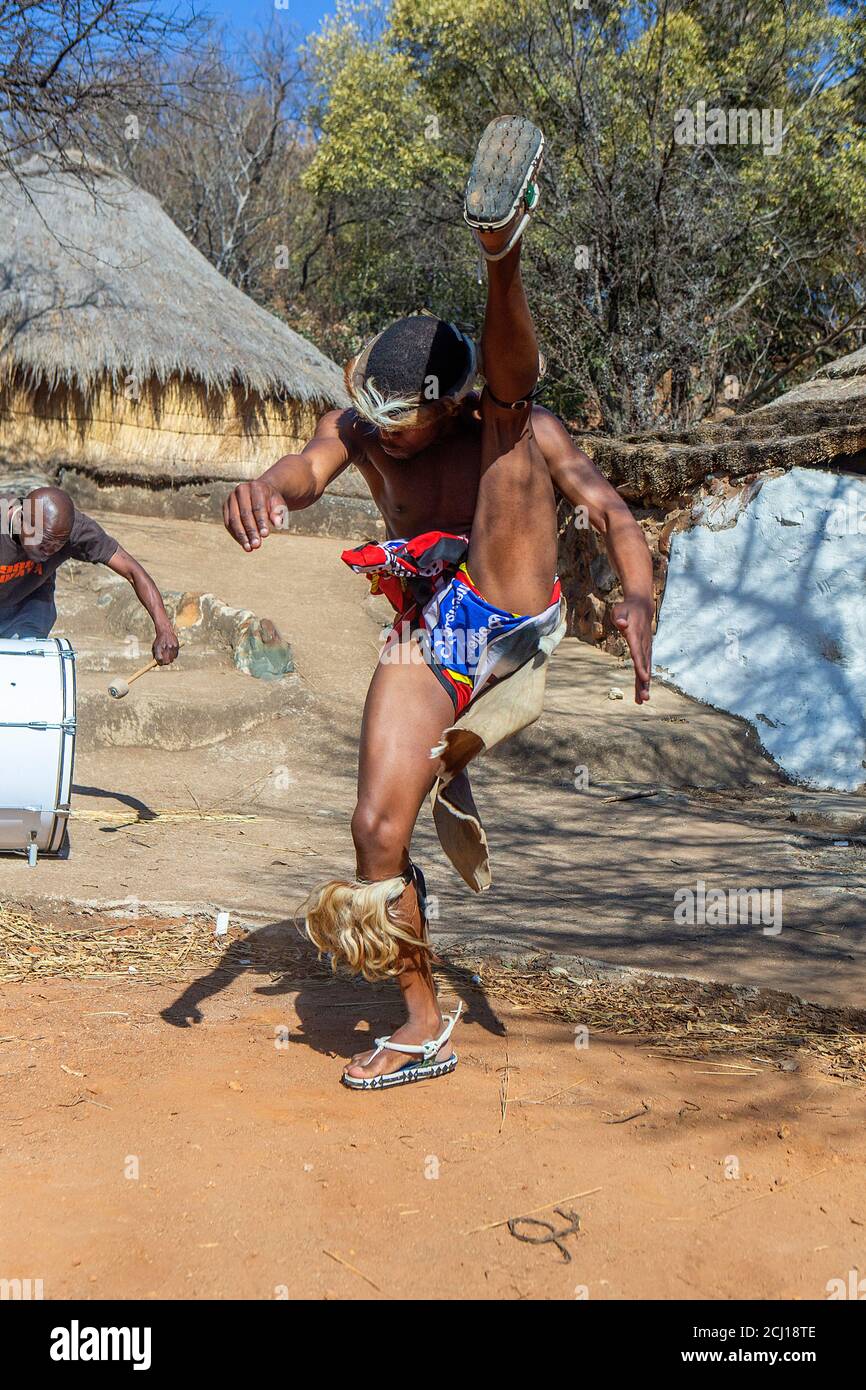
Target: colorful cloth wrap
column 467, row 642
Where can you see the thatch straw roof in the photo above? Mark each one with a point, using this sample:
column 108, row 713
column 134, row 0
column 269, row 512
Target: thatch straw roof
column 838, row 381
column 97, row 283
column 819, row 421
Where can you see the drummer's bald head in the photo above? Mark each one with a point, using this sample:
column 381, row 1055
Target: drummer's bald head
column 47, row 516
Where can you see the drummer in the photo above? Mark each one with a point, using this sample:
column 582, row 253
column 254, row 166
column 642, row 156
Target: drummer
column 38, row 533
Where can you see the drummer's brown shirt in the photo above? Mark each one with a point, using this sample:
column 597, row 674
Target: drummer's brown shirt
column 21, row 577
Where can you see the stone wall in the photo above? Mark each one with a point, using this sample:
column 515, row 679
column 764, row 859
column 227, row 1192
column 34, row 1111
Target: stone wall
column 205, row 625
column 346, row 509
column 669, row 478
column 589, row 583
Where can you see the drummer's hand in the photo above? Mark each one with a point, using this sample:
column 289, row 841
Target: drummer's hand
column 252, row 511
column 166, row 646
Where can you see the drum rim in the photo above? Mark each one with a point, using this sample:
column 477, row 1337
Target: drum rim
column 67, row 741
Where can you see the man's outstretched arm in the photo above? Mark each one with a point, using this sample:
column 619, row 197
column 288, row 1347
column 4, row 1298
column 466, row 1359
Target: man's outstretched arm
column 165, row 646
column 580, row 482
column 253, row 509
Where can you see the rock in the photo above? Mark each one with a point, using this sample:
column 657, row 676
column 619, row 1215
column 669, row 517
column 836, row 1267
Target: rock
column 261, row 651
column 601, row 573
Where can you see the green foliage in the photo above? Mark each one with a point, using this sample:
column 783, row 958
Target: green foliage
column 372, row 127
column 704, row 260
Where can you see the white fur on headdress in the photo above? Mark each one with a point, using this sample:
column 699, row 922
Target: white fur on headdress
column 389, row 412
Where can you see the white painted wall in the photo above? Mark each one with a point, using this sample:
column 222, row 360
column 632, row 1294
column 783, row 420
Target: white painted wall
column 764, row 615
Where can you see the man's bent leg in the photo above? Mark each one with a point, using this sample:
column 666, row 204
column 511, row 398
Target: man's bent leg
column 512, row 551
column 404, row 716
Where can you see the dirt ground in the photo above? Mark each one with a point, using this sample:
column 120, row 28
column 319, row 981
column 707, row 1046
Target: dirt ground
column 188, row 1137
column 585, row 873
column 146, row 1157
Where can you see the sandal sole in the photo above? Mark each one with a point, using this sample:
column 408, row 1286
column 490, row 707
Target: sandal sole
column 406, row 1077
column 508, row 155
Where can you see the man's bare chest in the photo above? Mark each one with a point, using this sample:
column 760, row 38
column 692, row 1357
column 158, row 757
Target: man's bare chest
column 436, row 489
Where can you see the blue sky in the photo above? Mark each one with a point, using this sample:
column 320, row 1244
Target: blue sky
column 250, row 14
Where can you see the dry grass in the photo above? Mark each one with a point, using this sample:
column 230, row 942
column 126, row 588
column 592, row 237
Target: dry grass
column 151, row 950
column 100, row 285
column 132, row 816
column 173, row 431
column 681, row 1019
column 686, row 1019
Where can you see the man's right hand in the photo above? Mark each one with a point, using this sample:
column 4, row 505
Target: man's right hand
column 252, row 511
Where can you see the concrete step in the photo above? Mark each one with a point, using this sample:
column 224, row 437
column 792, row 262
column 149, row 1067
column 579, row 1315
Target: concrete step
column 173, row 709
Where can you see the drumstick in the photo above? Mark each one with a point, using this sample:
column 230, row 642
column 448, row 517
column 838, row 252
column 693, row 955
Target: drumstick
column 120, row 687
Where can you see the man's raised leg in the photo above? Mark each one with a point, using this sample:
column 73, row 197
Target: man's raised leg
column 512, row 552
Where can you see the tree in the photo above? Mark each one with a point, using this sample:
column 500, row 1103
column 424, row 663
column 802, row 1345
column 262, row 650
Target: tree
column 72, row 72
column 225, row 161
column 658, row 266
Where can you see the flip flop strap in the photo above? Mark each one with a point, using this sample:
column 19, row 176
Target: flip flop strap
column 426, row 1050
column 511, row 243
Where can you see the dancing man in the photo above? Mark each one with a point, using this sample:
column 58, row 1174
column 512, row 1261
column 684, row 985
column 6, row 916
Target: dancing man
column 466, row 485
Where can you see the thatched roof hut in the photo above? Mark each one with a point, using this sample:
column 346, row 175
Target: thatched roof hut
column 126, row 360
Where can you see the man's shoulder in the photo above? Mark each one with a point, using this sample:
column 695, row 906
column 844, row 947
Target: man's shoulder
column 340, row 421
column 544, row 419
column 81, row 523
column 334, row 419
column 343, row 424
column 89, row 541
column 83, row 527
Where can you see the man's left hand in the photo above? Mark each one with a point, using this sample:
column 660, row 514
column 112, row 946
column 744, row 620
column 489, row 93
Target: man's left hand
column 166, row 647
column 634, row 618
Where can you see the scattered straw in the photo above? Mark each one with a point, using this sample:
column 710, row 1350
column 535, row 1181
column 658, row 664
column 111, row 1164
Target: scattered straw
column 136, row 817
column 684, row 1020
column 141, row 949
column 736, row 1032
column 548, row 1206
column 762, row 1196
column 503, row 1092
column 345, row 1263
